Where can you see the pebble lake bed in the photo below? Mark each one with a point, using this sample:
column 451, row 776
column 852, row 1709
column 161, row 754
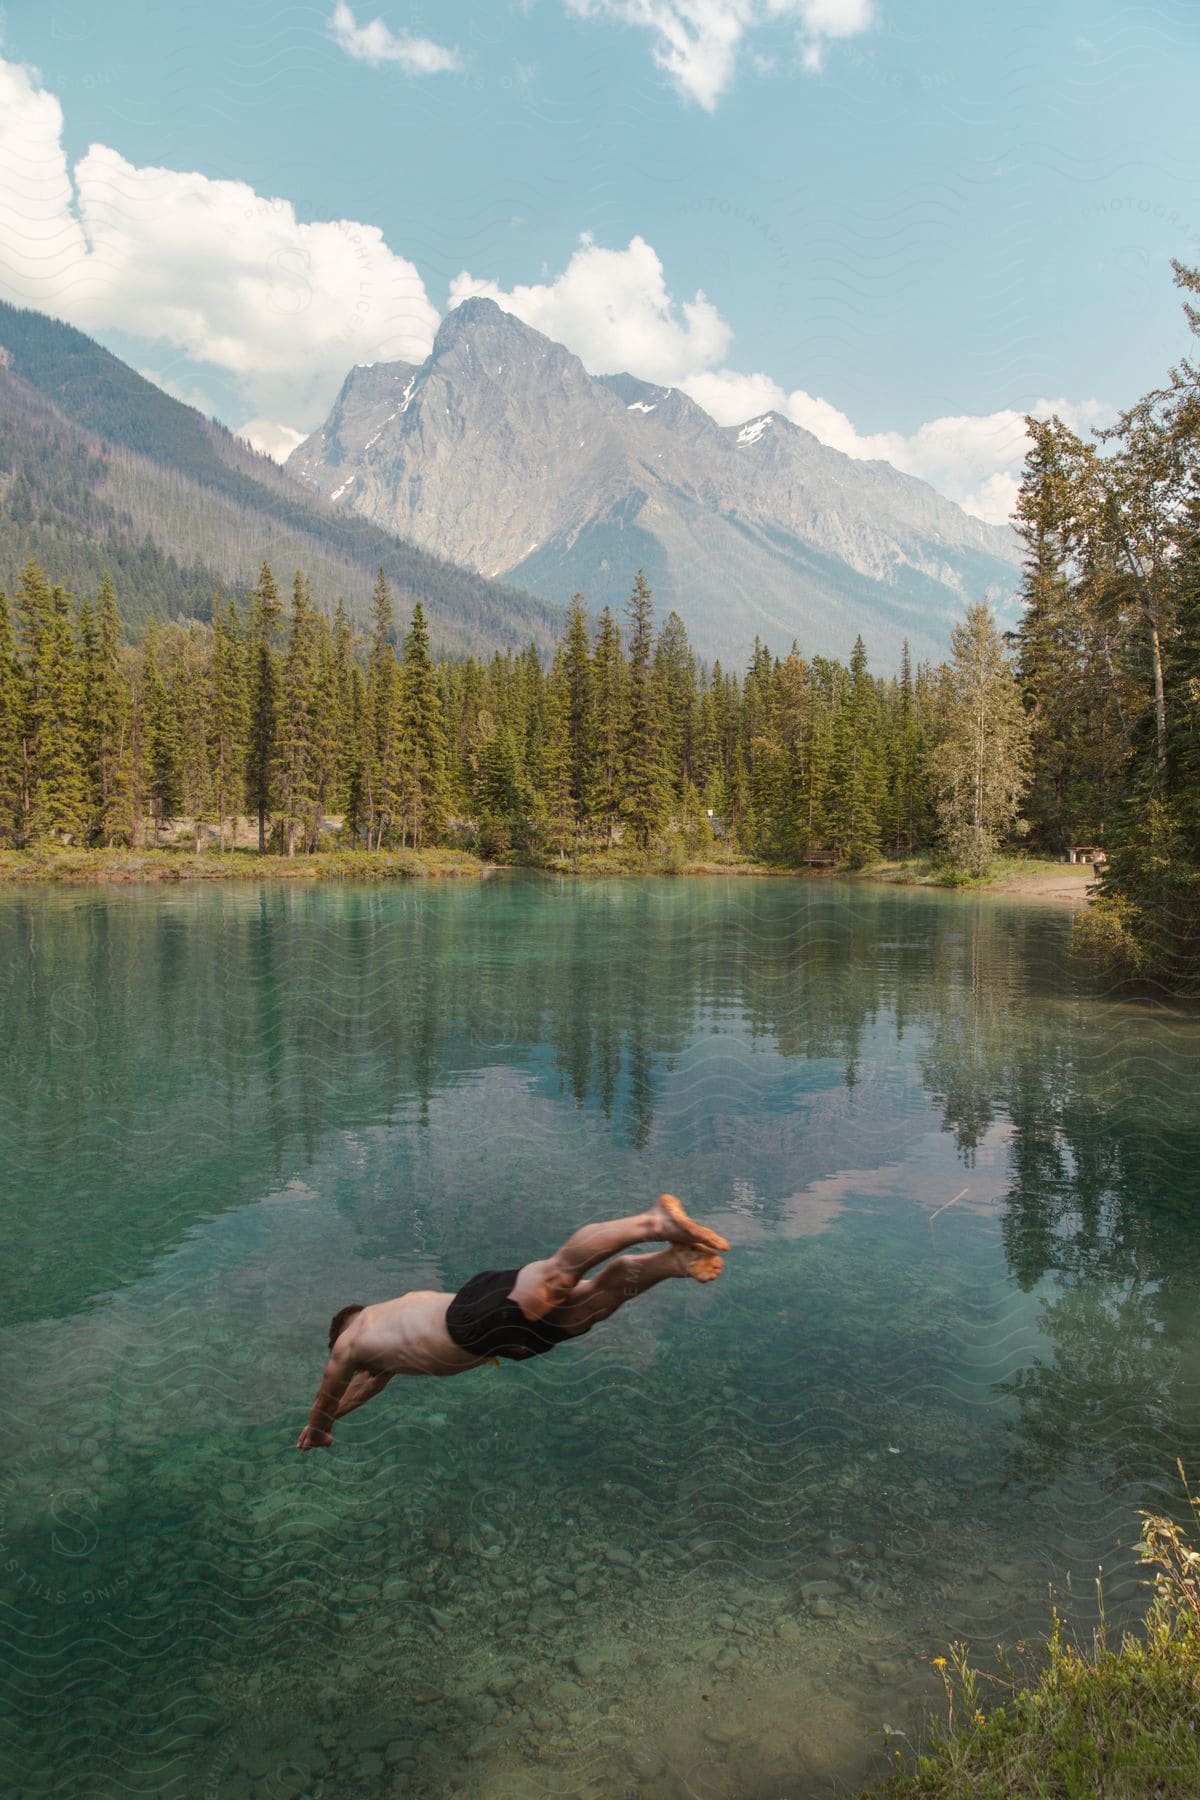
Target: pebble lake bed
column 710, row 1550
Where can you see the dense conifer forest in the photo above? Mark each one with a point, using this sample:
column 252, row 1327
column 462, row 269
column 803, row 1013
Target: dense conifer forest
column 286, row 714
column 1081, row 728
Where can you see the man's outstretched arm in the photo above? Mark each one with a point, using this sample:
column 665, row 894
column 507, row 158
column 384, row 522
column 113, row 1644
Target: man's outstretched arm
column 318, row 1433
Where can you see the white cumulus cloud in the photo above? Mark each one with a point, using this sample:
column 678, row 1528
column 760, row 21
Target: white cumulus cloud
column 698, row 43
column 972, row 458
column 613, row 309
column 271, row 438
column 376, row 43
column 232, row 279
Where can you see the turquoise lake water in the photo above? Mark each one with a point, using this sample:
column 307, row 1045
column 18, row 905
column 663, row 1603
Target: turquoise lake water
column 708, row 1551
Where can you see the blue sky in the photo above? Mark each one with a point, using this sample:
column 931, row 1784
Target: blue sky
column 902, row 222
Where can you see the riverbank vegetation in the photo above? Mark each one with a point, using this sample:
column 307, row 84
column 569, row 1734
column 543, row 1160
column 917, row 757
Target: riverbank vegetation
column 1093, row 1722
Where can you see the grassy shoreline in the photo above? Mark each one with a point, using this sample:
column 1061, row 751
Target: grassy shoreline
column 156, row 866
column 1028, row 877
column 1077, row 1721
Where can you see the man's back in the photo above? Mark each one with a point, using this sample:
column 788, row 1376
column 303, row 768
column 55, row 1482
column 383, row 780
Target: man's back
column 406, row 1336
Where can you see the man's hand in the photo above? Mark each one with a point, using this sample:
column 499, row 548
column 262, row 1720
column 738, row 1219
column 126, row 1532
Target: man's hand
column 313, row 1438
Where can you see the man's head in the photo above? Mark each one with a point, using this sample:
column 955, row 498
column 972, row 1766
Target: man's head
column 339, row 1322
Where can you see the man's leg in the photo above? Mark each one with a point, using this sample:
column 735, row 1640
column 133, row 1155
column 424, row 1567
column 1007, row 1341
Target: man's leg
column 666, row 1221
column 628, row 1276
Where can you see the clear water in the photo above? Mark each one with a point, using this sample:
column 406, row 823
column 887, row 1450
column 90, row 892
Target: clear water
column 953, row 1352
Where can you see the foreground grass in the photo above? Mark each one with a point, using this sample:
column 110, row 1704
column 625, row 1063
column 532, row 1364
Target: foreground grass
column 624, row 860
column 177, row 864
column 1093, row 1723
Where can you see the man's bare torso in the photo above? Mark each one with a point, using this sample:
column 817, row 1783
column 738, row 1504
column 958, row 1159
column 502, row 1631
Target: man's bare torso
column 407, row 1336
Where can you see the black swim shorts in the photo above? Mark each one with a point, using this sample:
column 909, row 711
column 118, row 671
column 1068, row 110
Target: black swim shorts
column 483, row 1320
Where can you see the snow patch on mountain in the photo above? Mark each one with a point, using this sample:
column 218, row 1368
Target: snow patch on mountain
column 750, row 434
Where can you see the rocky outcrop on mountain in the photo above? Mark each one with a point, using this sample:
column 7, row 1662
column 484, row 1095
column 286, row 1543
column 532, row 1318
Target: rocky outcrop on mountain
column 503, row 454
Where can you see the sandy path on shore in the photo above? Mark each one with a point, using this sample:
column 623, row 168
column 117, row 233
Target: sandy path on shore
column 1070, row 884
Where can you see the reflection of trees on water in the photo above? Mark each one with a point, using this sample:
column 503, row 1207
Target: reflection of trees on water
column 186, row 1049
column 1100, row 1096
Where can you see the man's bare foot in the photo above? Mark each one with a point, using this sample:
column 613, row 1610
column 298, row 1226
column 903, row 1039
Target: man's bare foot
column 700, row 1265
column 677, row 1228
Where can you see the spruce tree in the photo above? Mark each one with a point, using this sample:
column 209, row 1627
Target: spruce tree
column 109, row 703
column 676, row 701
column 424, row 736
column 295, row 783
column 330, row 747
column 643, row 786
column 57, row 789
column 608, row 691
column 12, row 715
column 555, row 776
column 263, row 698
column 385, row 793
column 856, row 782
column 229, row 721
column 348, row 750
column 190, row 696
column 577, row 677
column 161, row 736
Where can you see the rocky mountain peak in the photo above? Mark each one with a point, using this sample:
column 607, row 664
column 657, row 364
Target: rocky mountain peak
column 504, row 454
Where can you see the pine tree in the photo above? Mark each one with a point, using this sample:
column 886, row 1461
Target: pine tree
column 263, row 698
column 295, row 772
column 608, row 689
column 190, row 697
column 34, row 610
column 787, row 837
column 346, row 674
column 557, row 800
column 161, row 736
column 355, row 760
column 330, row 748
column 424, row 736
column 854, row 799
column 229, row 721
column 12, row 715
column 577, row 677
column 385, row 792
column 108, row 724
column 676, row 703
column 906, row 802
column 643, row 787
column 57, row 784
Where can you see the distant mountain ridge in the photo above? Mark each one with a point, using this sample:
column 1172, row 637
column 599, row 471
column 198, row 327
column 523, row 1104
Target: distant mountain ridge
column 100, row 469
column 501, row 451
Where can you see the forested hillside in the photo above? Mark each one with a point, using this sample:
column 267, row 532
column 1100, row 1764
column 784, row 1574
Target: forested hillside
column 100, row 470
